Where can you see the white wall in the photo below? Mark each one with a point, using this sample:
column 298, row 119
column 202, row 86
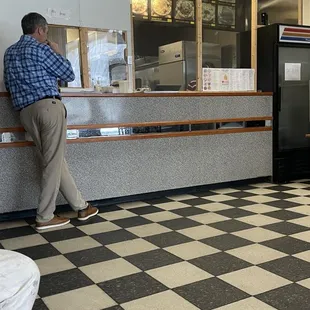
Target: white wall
column 105, row 14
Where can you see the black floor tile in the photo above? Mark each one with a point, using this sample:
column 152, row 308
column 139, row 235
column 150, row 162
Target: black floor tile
column 132, row 287
column 246, row 188
column 157, row 201
column 1, row 246
column 179, row 224
column 235, row 212
column 285, row 215
column 283, row 204
column 62, row 282
column 64, row 234
column 168, row 239
column 226, row 242
column 231, row 226
column 39, row 305
column 201, row 194
column 93, row 220
column 111, row 208
column 286, row 228
column 195, row 201
column 241, row 195
column 219, row 263
column 153, row 259
column 238, row 203
column 281, row 195
column 210, row 294
column 289, row 267
column 16, row 232
column 132, row 222
column 146, row 210
column 280, row 188
column 288, row 245
column 91, row 256
column 189, row 211
column 290, row 297
column 39, row 251
column 114, row 308
column 114, row 237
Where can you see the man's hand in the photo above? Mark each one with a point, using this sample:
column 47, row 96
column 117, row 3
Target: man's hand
column 54, row 46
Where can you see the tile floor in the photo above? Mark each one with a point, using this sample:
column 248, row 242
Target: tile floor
column 231, row 249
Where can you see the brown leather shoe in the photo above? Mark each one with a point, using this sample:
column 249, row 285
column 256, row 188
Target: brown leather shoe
column 87, row 213
column 57, row 221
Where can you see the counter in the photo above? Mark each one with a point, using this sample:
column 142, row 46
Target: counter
column 159, row 142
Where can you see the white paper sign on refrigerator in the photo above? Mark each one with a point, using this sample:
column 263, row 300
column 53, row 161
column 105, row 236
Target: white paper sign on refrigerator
column 292, row 72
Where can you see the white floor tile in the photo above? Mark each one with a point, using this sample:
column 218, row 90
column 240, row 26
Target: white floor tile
column 215, row 207
column 87, row 298
column 191, row 250
column 254, row 280
column 131, row 247
column 98, row 228
column 260, row 208
column 247, row 304
column 260, row 199
column 258, row 234
column 161, row 216
column 201, row 232
column 173, row 205
column 148, row 230
column 209, row 218
column 109, row 270
column 53, row 264
column 77, row 244
column 178, row 274
column 259, row 220
column 23, row 242
column 116, row 215
column 167, row 300
column 256, row 254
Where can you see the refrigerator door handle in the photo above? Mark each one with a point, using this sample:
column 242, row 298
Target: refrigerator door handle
column 309, row 101
column 280, row 99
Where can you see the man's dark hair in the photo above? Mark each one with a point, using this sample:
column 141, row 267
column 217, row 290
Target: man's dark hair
column 32, row 21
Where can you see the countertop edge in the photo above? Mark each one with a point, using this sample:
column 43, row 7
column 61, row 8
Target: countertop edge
column 150, row 95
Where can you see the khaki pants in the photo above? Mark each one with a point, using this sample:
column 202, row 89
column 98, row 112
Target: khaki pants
column 46, row 123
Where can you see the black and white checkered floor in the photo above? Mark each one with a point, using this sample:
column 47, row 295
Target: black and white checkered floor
column 232, row 249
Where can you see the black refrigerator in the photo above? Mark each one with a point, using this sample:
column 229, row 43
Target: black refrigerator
column 284, row 68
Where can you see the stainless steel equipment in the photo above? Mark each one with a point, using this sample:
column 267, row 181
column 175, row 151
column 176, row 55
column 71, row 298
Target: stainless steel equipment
column 177, row 61
column 147, row 72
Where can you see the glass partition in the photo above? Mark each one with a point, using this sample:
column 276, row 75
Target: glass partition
column 68, row 40
column 106, row 57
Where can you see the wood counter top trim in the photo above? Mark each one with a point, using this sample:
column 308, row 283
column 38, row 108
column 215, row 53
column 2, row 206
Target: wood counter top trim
column 150, row 95
column 154, row 124
column 148, row 136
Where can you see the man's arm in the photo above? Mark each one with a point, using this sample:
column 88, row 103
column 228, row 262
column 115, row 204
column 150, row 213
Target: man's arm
column 5, row 77
column 56, row 64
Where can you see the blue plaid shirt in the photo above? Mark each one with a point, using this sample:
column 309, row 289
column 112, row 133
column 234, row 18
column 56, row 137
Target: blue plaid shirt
column 31, row 71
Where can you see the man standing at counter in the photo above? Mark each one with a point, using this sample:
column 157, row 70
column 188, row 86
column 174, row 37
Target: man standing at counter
column 32, row 67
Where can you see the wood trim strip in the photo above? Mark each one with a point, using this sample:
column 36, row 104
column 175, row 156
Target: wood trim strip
column 199, row 63
column 254, row 12
column 300, row 12
column 84, row 57
column 149, row 136
column 154, row 124
column 156, row 95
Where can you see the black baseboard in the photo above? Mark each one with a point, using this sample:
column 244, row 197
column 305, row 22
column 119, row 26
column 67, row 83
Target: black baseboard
column 11, row 216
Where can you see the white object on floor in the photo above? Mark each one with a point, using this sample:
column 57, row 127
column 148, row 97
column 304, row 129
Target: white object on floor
column 19, row 281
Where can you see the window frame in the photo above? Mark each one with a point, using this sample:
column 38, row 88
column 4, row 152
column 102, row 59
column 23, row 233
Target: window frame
column 83, row 48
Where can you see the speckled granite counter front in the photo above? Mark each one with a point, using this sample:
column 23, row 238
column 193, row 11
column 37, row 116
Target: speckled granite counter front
column 121, row 168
